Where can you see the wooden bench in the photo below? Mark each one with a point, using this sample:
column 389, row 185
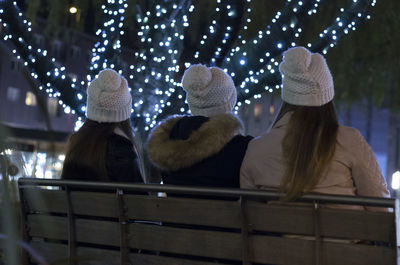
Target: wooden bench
column 107, row 223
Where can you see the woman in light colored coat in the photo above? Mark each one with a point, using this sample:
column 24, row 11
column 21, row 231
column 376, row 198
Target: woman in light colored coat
column 306, row 150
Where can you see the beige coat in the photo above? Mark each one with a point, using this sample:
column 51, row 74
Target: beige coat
column 354, row 170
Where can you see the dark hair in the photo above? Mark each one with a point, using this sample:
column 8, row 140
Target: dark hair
column 87, row 147
column 307, row 147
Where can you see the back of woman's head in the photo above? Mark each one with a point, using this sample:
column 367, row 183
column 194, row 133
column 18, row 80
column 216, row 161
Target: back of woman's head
column 310, row 139
column 108, row 98
column 109, row 105
column 87, row 149
column 209, row 90
column 306, row 79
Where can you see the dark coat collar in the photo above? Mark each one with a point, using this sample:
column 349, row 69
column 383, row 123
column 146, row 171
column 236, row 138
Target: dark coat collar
column 209, row 139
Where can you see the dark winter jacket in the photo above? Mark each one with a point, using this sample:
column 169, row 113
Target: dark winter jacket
column 121, row 163
column 199, row 151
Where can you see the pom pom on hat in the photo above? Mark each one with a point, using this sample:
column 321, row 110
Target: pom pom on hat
column 297, row 60
column 196, row 79
column 108, row 98
column 110, row 80
column 307, row 80
column 210, row 91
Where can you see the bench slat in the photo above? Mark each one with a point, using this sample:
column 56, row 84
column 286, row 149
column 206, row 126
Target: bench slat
column 94, row 204
column 41, row 200
column 281, row 250
column 87, row 231
column 379, row 226
column 189, row 211
column 357, row 254
column 215, row 244
column 337, row 223
column 58, row 254
column 184, row 210
column 224, row 245
column 44, row 226
column 83, row 203
column 54, row 252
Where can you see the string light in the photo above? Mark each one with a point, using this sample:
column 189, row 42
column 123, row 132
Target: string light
column 43, row 69
column 161, row 33
column 248, row 84
column 157, row 71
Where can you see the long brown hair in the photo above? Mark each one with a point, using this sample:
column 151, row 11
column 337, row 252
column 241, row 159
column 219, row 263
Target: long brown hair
column 307, row 147
column 88, row 146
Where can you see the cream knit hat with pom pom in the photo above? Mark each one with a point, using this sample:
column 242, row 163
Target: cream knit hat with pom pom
column 210, row 91
column 307, row 80
column 108, row 98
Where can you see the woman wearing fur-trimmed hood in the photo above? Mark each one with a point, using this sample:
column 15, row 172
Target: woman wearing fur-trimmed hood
column 206, row 149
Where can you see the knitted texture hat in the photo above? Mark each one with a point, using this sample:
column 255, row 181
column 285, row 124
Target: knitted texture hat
column 307, row 80
column 108, row 98
column 210, row 91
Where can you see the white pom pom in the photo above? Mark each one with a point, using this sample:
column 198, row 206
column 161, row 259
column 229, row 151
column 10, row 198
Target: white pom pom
column 196, row 79
column 109, row 79
column 297, row 60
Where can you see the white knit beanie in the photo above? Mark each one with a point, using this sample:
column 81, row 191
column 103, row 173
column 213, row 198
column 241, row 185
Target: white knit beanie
column 307, row 80
column 108, row 98
column 210, row 91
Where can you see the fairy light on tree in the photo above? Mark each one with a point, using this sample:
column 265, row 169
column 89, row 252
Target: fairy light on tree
column 161, row 29
column 158, row 63
column 107, row 51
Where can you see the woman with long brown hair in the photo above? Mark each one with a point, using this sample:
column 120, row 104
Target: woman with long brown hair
column 306, row 150
column 104, row 148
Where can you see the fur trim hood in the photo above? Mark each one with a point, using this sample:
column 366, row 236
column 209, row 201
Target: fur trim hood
column 172, row 155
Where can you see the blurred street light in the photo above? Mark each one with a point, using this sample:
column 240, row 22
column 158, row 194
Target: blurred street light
column 73, row 10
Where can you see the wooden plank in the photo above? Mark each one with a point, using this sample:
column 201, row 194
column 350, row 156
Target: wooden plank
column 338, row 223
column 42, row 200
column 378, row 226
column 184, row 210
column 57, row 254
column 83, row 202
column 98, row 232
column 46, row 226
column 357, row 254
column 280, row 250
column 160, row 260
column 87, row 231
column 51, row 252
column 280, row 218
column 289, row 251
column 215, row 244
column 94, row 204
column 203, row 243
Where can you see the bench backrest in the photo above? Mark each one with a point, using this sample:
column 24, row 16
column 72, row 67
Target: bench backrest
column 98, row 227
